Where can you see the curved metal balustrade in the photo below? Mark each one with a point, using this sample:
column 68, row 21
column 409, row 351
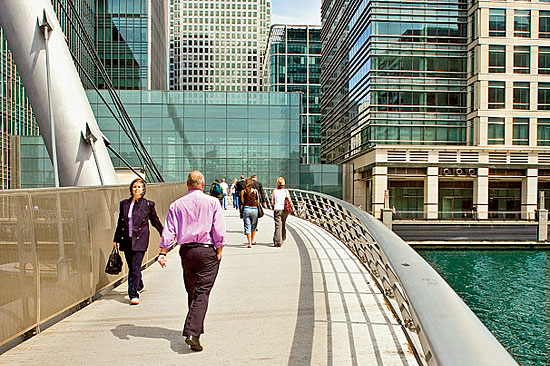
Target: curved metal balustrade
column 440, row 326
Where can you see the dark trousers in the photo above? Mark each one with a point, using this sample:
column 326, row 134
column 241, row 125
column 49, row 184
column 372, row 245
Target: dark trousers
column 135, row 283
column 200, row 268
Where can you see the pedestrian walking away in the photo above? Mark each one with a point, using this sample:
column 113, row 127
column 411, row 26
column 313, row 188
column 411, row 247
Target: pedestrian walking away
column 260, row 188
column 250, row 201
column 238, row 189
column 235, row 199
column 132, row 234
column 197, row 223
column 217, row 191
column 225, row 190
column 278, row 197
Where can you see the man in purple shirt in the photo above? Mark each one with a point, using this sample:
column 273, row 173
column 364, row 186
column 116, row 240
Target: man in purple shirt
column 197, row 223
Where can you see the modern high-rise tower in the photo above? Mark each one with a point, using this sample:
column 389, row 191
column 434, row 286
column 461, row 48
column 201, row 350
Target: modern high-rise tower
column 446, row 106
column 292, row 63
column 217, row 44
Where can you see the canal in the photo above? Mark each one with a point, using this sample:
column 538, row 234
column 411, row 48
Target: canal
column 508, row 290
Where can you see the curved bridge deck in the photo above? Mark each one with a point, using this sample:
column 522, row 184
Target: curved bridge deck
column 307, row 303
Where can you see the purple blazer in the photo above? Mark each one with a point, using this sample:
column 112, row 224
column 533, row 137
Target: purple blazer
column 144, row 211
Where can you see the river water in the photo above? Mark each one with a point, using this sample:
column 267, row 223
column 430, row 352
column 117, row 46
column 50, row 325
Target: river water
column 508, row 290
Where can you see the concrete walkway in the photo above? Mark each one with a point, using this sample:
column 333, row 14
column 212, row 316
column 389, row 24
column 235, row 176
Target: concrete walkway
column 306, row 303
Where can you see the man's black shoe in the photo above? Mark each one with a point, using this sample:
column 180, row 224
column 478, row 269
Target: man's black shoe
column 194, row 343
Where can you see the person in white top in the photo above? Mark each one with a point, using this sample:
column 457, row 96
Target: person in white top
column 278, row 197
column 234, row 194
column 225, row 189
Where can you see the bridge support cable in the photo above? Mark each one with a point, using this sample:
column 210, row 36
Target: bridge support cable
column 123, row 119
column 108, row 144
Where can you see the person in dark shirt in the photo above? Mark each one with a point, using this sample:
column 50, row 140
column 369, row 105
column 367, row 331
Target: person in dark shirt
column 260, row 188
column 238, row 189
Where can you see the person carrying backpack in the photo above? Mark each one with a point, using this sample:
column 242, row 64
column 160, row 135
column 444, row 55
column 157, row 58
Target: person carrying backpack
column 217, row 191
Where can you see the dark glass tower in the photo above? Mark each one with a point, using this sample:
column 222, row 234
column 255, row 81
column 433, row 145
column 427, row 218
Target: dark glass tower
column 293, row 64
column 392, row 73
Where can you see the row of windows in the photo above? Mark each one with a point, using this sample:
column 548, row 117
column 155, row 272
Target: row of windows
column 522, row 23
column 496, row 132
column 205, row 13
column 521, row 95
column 217, row 21
column 522, row 59
column 217, row 28
column 218, row 5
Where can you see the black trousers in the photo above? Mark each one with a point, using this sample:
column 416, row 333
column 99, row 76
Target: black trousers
column 135, row 283
column 200, row 268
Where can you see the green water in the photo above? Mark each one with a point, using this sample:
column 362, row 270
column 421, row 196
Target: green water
column 509, row 292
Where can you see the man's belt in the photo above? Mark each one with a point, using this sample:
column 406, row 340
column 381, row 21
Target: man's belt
column 197, row 245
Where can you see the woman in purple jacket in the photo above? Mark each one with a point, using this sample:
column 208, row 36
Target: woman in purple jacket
column 132, row 233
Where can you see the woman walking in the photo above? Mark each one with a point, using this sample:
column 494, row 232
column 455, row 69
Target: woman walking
column 132, row 233
column 249, row 199
column 278, row 197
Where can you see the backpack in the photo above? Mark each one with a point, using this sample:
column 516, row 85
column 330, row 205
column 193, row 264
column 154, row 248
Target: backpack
column 216, row 190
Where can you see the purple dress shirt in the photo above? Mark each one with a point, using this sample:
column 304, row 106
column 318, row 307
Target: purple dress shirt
column 194, row 218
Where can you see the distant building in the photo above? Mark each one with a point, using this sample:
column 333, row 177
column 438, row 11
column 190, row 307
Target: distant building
column 217, row 45
column 447, row 107
column 293, row 64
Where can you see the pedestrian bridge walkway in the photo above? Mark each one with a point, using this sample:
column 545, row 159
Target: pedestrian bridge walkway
column 310, row 302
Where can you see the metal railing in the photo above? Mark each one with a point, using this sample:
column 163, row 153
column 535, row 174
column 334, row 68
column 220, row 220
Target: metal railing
column 441, row 328
column 54, row 244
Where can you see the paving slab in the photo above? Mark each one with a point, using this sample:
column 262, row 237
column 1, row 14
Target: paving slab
column 309, row 302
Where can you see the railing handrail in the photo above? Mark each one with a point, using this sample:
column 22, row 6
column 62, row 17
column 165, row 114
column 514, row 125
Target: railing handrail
column 434, row 317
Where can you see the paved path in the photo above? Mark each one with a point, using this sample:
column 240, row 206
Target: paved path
column 307, row 303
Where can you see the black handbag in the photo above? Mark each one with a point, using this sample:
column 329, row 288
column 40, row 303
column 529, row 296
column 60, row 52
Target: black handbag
column 114, row 264
column 260, row 210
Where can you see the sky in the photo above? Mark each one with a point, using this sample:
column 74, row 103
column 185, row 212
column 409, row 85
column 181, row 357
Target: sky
column 297, row 12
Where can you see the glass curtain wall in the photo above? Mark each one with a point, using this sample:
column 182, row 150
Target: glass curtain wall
column 455, row 199
column 295, row 66
column 16, row 117
column 223, row 134
column 121, row 40
column 394, row 73
column 407, row 197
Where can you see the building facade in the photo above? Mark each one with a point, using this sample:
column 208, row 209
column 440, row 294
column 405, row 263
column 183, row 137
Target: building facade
column 222, row 134
column 131, row 41
column 442, row 105
column 217, row 45
column 16, row 118
column 292, row 63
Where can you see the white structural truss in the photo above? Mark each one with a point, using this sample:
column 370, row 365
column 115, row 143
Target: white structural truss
column 82, row 157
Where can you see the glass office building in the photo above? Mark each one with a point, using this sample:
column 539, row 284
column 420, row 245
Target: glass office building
column 293, row 63
column 131, row 38
column 225, row 135
column 16, row 118
column 442, row 104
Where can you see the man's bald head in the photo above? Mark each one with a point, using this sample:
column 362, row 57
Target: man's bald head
column 195, row 180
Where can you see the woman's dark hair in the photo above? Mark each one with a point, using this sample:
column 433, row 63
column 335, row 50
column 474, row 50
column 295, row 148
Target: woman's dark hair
column 138, row 180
